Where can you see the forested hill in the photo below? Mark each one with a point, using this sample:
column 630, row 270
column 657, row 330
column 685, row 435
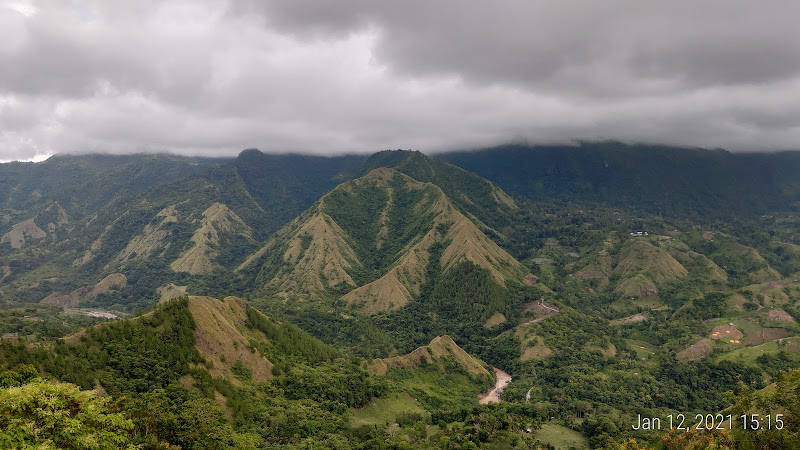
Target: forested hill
column 674, row 182
column 377, row 242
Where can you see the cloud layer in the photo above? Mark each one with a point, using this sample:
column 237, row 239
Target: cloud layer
column 213, row 77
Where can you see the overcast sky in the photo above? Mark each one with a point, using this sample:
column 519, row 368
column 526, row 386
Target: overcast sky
column 215, row 77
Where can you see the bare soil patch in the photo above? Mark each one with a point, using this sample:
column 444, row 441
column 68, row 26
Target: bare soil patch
column 779, row 315
column 530, row 279
column 493, row 396
column 540, row 310
column 630, row 319
column 726, row 333
column 700, row 349
column 589, row 274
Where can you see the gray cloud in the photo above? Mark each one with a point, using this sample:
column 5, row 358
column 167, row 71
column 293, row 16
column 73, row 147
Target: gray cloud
column 563, row 44
column 217, row 76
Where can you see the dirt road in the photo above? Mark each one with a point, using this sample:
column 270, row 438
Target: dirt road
column 493, row 396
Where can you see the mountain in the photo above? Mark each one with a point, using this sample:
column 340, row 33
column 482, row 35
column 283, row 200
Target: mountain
column 74, row 220
column 670, row 181
column 373, row 241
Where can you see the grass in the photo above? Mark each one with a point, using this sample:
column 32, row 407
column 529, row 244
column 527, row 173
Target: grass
column 637, row 345
column 639, row 256
column 420, row 390
column 749, row 354
column 561, row 437
column 496, row 319
column 386, row 409
column 219, row 338
column 748, row 323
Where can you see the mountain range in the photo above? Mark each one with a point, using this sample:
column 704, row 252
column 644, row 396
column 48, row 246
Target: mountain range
column 601, row 277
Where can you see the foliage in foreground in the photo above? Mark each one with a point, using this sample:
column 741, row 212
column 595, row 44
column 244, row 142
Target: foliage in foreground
column 45, row 414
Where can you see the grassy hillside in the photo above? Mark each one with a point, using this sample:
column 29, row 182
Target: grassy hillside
column 193, row 337
column 441, row 352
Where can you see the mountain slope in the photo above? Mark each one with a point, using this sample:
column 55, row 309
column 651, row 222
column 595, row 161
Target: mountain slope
column 373, row 239
column 222, row 337
column 218, row 219
column 185, row 339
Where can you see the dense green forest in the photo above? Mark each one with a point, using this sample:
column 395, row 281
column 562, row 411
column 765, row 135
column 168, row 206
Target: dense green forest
column 667, row 181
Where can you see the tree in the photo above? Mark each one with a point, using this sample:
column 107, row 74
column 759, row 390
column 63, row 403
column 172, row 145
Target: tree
column 45, row 414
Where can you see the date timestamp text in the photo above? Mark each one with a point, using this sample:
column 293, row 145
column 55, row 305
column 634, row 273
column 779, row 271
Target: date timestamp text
column 684, row 422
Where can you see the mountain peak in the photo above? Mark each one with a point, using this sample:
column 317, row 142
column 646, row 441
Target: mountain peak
column 250, row 152
column 392, row 158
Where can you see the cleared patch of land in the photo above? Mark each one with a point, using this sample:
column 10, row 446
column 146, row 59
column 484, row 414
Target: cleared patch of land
column 760, row 335
column 636, row 318
column 540, row 310
column 386, row 410
column 726, row 332
column 779, row 315
column 496, row 319
column 538, row 351
column 749, row 354
column 561, row 437
column 698, row 350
